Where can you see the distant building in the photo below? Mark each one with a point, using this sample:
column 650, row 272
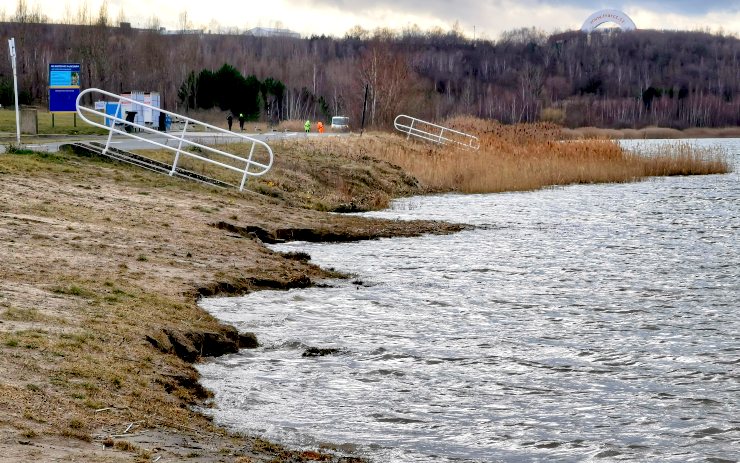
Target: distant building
column 165, row 31
column 272, row 32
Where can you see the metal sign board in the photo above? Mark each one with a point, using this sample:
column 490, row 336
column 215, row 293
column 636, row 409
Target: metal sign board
column 64, row 86
column 63, row 100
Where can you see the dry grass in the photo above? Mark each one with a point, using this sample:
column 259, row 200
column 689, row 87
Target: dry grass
column 97, row 255
column 188, row 162
column 327, row 174
column 355, row 172
column 681, row 158
column 650, row 133
column 532, row 156
column 335, row 174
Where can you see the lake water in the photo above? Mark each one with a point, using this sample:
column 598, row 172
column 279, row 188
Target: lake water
column 590, row 322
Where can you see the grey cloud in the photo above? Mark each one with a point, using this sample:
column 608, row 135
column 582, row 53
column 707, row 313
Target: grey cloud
column 686, row 7
column 470, row 8
column 485, row 13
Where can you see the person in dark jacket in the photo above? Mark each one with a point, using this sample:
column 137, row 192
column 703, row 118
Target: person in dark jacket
column 229, row 120
column 241, row 121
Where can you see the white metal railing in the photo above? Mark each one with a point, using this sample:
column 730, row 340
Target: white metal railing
column 249, row 162
column 433, row 132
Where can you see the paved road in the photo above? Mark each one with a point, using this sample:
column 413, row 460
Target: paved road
column 204, row 138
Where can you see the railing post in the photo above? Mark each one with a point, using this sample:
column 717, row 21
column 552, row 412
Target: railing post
column 112, row 125
column 411, row 128
column 246, row 168
column 179, row 149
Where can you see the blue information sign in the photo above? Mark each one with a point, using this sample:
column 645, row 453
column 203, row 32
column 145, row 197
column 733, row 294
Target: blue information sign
column 64, row 86
column 64, row 75
column 63, row 100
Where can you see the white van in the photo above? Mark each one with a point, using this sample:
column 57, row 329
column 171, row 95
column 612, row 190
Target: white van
column 340, row 123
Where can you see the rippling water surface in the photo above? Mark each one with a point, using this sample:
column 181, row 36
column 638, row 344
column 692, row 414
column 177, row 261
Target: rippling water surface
column 577, row 323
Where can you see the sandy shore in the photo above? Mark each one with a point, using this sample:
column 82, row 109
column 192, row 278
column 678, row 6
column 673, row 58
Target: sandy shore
column 102, row 265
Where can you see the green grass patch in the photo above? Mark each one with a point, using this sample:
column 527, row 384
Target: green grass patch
column 22, row 315
column 62, row 124
column 73, row 290
column 12, row 148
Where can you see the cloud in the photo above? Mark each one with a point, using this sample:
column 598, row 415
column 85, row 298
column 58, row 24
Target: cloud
column 676, row 7
column 470, row 7
column 489, row 17
column 728, row 22
column 495, row 16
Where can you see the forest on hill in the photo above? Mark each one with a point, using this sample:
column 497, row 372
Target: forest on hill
column 607, row 79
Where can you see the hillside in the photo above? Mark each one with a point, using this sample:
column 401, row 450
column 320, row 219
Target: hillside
column 608, row 79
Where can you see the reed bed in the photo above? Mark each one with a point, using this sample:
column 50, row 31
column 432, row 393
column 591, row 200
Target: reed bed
column 531, row 156
column 650, row 133
column 363, row 172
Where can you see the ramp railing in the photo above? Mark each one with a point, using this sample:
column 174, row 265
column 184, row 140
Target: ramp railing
column 419, row 128
column 247, row 167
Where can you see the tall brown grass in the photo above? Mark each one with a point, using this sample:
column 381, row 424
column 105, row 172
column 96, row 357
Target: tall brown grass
column 532, row 156
column 345, row 170
column 650, row 133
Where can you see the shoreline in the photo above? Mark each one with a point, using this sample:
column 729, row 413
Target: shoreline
column 99, row 323
column 103, row 266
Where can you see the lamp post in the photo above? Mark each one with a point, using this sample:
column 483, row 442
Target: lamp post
column 11, row 45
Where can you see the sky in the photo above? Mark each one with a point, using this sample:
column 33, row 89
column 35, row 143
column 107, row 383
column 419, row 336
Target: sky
column 479, row 18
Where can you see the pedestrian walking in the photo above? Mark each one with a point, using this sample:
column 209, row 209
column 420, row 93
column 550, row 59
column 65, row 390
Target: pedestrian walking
column 229, row 120
column 241, row 121
column 307, row 126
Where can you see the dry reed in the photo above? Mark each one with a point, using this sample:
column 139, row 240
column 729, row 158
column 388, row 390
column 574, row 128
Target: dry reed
column 332, row 172
column 532, row 156
column 650, row 133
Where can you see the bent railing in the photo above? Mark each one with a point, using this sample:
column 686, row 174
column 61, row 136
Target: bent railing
column 251, row 167
column 412, row 126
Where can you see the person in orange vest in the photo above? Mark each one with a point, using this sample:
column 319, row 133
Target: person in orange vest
column 320, row 126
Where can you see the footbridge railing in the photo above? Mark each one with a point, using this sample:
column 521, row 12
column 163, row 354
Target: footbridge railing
column 247, row 167
column 412, row 126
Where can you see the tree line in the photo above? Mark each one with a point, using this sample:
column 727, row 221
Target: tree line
column 230, row 91
column 607, row 79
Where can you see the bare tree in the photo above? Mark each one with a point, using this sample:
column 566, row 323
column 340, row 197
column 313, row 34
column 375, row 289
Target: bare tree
column 183, row 21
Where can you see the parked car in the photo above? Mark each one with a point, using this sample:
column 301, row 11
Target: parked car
column 340, row 123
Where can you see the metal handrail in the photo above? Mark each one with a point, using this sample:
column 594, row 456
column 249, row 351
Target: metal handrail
column 248, row 162
column 426, row 133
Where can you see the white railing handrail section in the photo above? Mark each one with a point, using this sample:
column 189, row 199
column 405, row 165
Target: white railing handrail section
column 249, row 162
column 433, row 132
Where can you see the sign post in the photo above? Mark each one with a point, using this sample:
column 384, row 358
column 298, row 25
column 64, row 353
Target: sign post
column 11, row 45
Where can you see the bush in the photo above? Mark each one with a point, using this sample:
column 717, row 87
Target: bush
column 554, row 115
